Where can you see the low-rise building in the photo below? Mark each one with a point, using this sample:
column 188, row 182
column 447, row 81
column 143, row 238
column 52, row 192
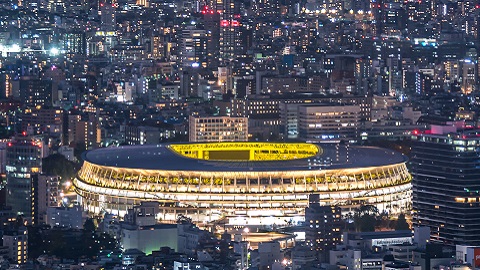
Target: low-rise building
column 140, row 135
column 68, row 217
column 218, row 129
column 150, row 238
column 17, row 243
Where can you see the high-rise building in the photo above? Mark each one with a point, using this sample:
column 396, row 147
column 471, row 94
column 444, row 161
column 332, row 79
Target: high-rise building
column 75, row 43
column 84, row 130
column 158, row 46
column 193, row 51
column 323, row 223
column 42, row 121
column 45, row 194
column 24, row 159
column 445, row 169
column 230, row 30
column 68, row 217
column 56, row 6
column 107, row 16
column 143, row 3
column 140, row 135
column 35, row 92
column 211, row 22
column 5, row 84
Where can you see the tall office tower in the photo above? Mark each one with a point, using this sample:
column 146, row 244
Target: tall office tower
column 421, row 10
column 394, row 18
column 193, row 50
column 362, row 73
column 230, row 30
column 6, row 83
column 84, row 130
column 445, row 169
column 75, row 43
column 44, row 195
column 24, row 159
column 158, row 46
column 107, row 16
column 35, row 92
column 211, row 21
column 323, row 223
column 378, row 9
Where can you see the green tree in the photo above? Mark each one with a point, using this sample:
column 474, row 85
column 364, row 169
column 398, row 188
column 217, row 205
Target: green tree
column 89, row 226
column 365, row 218
column 78, row 150
column 57, row 164
column 402, row 223
column 182, row 219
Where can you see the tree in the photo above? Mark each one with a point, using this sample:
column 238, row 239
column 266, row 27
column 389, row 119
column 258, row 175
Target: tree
column 57, row 164
column 365, row 218
column 78, row 150
column 89, row 226
column 402, row 223
column 182, row 219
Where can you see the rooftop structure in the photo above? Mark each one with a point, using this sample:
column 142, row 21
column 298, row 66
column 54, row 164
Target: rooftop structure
column 251, row 183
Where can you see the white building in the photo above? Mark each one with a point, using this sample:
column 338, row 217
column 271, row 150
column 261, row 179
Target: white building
column 218, row 129
column 328, row 122
column 150, row 238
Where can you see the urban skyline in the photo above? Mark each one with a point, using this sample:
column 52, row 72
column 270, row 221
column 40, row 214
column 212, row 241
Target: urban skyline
column 239, row 134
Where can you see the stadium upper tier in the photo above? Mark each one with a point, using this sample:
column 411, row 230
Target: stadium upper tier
column 255, row 180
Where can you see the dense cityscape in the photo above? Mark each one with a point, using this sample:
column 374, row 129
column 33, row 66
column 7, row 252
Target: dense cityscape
column 239, row 134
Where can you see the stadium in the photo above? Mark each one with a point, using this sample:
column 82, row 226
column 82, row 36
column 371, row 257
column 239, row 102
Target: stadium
column 246, row 182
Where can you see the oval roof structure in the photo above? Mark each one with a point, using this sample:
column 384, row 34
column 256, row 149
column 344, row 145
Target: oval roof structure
column 162, row 157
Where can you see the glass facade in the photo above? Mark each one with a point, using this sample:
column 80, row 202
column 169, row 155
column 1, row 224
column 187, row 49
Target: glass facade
column 446, row 174
column 24, row 158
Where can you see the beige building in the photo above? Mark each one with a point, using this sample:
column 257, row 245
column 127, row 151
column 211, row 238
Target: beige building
column 218, row 129
column 328, row 123
column 84, row 130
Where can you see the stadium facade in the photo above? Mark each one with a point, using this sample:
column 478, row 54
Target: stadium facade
column 250, row 183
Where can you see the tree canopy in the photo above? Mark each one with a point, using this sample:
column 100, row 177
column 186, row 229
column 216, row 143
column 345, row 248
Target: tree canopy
column 402, row 223
column 57, row 164
column 365, row 218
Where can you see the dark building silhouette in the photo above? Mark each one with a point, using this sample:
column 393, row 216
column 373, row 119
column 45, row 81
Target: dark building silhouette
column 323, row 223
column 445, row 166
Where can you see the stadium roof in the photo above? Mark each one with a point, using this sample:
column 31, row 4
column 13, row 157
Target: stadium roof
column 162, row 157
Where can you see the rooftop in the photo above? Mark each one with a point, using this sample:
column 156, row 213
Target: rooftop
column 163, row 157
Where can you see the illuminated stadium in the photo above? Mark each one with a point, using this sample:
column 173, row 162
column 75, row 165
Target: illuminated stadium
column 248, row 183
